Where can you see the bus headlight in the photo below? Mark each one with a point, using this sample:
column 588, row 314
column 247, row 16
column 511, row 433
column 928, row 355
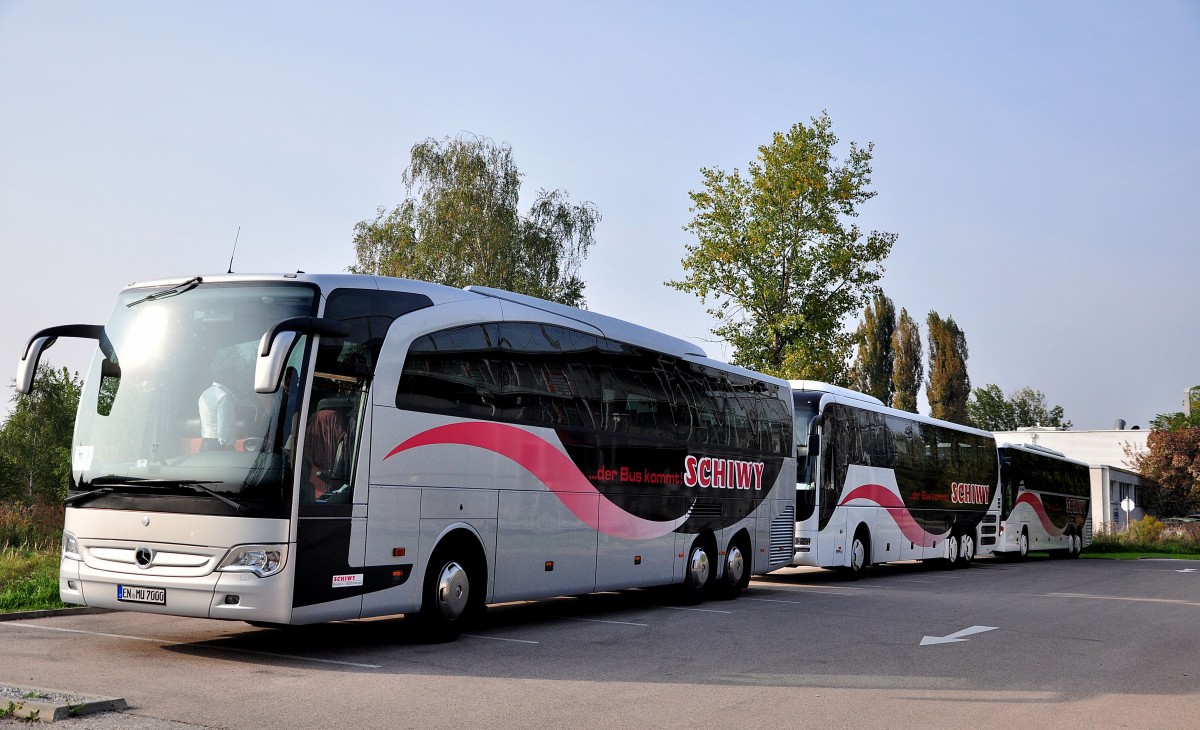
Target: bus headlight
column 262, row 560
column 70, row 547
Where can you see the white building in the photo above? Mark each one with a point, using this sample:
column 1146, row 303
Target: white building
column 1108, row 454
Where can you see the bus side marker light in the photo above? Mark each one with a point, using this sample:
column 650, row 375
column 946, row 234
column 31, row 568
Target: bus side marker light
column 637, row 559
column 549, row 565
column 232, row 600
column 398, row 552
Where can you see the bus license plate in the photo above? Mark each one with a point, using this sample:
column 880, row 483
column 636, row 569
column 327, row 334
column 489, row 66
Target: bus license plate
column 140, row 594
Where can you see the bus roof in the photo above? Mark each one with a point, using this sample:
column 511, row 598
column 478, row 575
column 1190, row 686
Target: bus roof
column 871, row 403
column 1043, row 451
column 612, row 327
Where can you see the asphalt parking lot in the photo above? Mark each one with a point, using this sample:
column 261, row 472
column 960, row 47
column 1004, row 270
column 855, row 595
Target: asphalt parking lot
column 1042, row 643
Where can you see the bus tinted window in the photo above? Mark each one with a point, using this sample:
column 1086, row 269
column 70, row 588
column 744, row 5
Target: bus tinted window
column 552, row 376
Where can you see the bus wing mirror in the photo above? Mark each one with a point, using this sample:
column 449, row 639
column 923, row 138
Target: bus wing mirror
column 28, row 364
column 814, row 439
column 276, row 346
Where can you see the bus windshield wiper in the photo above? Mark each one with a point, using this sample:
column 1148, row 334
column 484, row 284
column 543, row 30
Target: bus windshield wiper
column 173, row 291
column 87, row 495
column 136, row 483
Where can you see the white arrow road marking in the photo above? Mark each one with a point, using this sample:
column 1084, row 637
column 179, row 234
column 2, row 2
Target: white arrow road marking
column 956, row 636
column 1186, row 570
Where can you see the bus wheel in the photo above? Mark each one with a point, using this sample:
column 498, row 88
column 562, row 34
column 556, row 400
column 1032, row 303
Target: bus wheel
column 951, row 560
column 449, row 598
column 1023, row 546
column 737, row 573
column 966, row 550
column 697, row 573
column 1077, row 543
column 860, row 554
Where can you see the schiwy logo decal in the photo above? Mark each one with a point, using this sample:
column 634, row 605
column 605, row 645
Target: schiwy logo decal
column 709, row 473
column 346, row 581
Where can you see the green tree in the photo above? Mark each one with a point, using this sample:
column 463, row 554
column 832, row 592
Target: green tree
column 460, row 225
column 874, row 363
column 990, row 409
column 948, row 387
column 907, row 370
column 778, row 258
column 35, row 440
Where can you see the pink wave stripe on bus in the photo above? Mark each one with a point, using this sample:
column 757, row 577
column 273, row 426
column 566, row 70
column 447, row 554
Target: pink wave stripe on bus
column 552, row 468
column 1035, row 503
column 887, row 499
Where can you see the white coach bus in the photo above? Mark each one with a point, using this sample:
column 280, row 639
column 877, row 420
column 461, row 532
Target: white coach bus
column 292, row 449
column 876, row 484
column 1046, row 502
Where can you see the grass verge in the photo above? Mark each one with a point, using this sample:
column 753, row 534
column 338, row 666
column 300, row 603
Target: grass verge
column 1119, row 555
column 28, row 580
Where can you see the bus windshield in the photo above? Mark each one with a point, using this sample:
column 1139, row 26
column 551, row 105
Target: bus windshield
column 169, row 418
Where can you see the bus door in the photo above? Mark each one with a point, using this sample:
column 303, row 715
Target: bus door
column 331, row 526
column 332, row 574
column 831, row 479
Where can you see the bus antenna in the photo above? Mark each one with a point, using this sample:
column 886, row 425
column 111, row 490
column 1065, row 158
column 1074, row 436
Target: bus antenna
column 235, row 240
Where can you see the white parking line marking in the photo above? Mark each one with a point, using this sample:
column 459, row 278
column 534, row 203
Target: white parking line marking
column 287, row 656
column 701, row 610
column 166, row 643
column 599, row 621
column 804, row 587
column 1175, row 601
column 501, row 638
column 782, row 600
column 90, row 633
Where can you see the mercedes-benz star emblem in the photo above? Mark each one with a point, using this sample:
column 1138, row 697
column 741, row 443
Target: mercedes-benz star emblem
column 143, row 556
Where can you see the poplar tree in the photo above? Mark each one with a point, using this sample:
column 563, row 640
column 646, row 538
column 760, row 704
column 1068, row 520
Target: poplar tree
column 907, row 370
column 460, row 225
column 779, row 257
column 872, row 370
column 948, row 387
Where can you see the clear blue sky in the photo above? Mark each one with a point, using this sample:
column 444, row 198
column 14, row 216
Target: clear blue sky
column 1037, row 159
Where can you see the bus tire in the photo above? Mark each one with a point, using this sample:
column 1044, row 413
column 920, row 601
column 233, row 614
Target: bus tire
column 736, row 575
column 1023, row 545
column 859, row 555
column 966, row 549
column 860, row 552
column 698, row 571
column 950, row 560
column 1077, row 544
column 452, row 595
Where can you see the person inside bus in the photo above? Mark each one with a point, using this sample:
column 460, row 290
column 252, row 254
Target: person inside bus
column 218, row 413
column 325, row 451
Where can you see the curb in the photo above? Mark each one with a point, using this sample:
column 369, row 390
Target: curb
column 45, row 613
column 37, row 704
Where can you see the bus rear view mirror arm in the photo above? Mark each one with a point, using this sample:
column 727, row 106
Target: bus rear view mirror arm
column 276, row 346
column 28, row 364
